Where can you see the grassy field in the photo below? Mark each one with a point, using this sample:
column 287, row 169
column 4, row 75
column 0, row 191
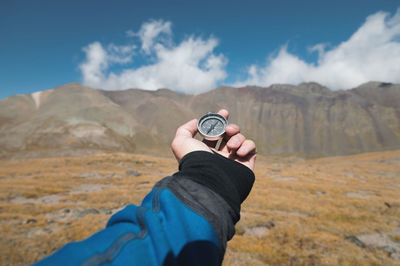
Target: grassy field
column 336, row 210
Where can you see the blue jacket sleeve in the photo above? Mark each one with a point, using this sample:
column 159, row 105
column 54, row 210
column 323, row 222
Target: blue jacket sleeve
column 185, row 220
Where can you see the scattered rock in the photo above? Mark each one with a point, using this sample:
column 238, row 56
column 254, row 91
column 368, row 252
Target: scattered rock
column 395, row 256
column 259, row 230
column 270, row 224
column 382, row 241
column 115, row 210
column 40, row 231
column 252, row 213
column 106, row 211
column 87, row 211
column 90, row 175
column 49, row 199
column 360, row 194
column 395, row 160
column 285, row 178
column 132, row 173
column 378, row 240
column 68, row 214
column 297, row 213
column 388, row 249
column 85, row 188
column 386, row 174
column 355, row 240
column 148, row 163
column 62, row 215
column 237, row 258
column 114, row 175
column 31, row 221
column 256, row 231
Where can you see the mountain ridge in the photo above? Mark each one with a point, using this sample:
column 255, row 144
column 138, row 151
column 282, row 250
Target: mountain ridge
column 308, row 119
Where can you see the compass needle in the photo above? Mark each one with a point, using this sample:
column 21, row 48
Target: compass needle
column 212, row 126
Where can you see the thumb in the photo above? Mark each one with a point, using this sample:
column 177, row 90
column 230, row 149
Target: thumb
column 187, row 130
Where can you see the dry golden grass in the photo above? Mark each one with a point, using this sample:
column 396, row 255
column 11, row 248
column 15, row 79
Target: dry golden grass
column 45, row 203
column 315, row 205
column 299, row 212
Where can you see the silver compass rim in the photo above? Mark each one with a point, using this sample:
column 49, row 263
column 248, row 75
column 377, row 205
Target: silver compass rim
column 219, row 117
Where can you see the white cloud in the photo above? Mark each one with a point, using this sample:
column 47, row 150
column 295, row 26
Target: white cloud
column 190, row 66
column 154, row 30
column 371, row 53
column 96, row 62
column 99, row 59
column 121, row 53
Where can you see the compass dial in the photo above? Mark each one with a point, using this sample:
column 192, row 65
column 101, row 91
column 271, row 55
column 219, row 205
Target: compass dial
column 212, row 126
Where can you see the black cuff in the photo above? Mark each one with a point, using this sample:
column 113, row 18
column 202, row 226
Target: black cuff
column 229, row 179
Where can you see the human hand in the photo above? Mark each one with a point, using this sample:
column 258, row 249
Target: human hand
column 233, row 146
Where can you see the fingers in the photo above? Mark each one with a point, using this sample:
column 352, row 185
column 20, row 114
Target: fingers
column 247, row 148
column 234, row 145
column 230, row 130
column 187, row 130
column 235, row 142
column 224, row 113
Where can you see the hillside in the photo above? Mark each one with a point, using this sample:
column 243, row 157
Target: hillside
column 307, row 119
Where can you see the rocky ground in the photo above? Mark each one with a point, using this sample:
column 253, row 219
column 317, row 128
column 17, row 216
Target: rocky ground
column 335, row 210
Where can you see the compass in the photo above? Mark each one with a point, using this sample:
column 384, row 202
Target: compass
column 212, row 126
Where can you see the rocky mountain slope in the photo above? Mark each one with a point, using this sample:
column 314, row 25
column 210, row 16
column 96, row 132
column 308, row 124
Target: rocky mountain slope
column 305, row 119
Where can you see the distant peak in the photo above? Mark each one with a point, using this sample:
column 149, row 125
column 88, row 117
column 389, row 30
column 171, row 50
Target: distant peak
column 72, row 84
column 280, row 86
column 313, row 87
column 39, row 96
column 163, row 90
column 225, row 87
column 375, row 84
column 36, row 98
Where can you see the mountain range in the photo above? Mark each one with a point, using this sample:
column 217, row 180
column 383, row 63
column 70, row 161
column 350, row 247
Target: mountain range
column 307, row 119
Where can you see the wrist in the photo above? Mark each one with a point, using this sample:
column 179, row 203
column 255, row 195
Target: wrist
column 231, row 180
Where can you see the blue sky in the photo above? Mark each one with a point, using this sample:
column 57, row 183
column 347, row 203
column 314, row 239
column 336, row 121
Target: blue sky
column 45, row 44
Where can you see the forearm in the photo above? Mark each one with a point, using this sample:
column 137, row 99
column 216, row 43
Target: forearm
column 214, row 187
column 187, row 218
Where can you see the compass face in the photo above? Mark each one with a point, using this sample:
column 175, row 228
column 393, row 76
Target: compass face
column 212, row 126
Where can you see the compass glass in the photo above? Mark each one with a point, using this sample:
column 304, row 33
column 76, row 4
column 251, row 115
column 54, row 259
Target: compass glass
column 212, row 126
